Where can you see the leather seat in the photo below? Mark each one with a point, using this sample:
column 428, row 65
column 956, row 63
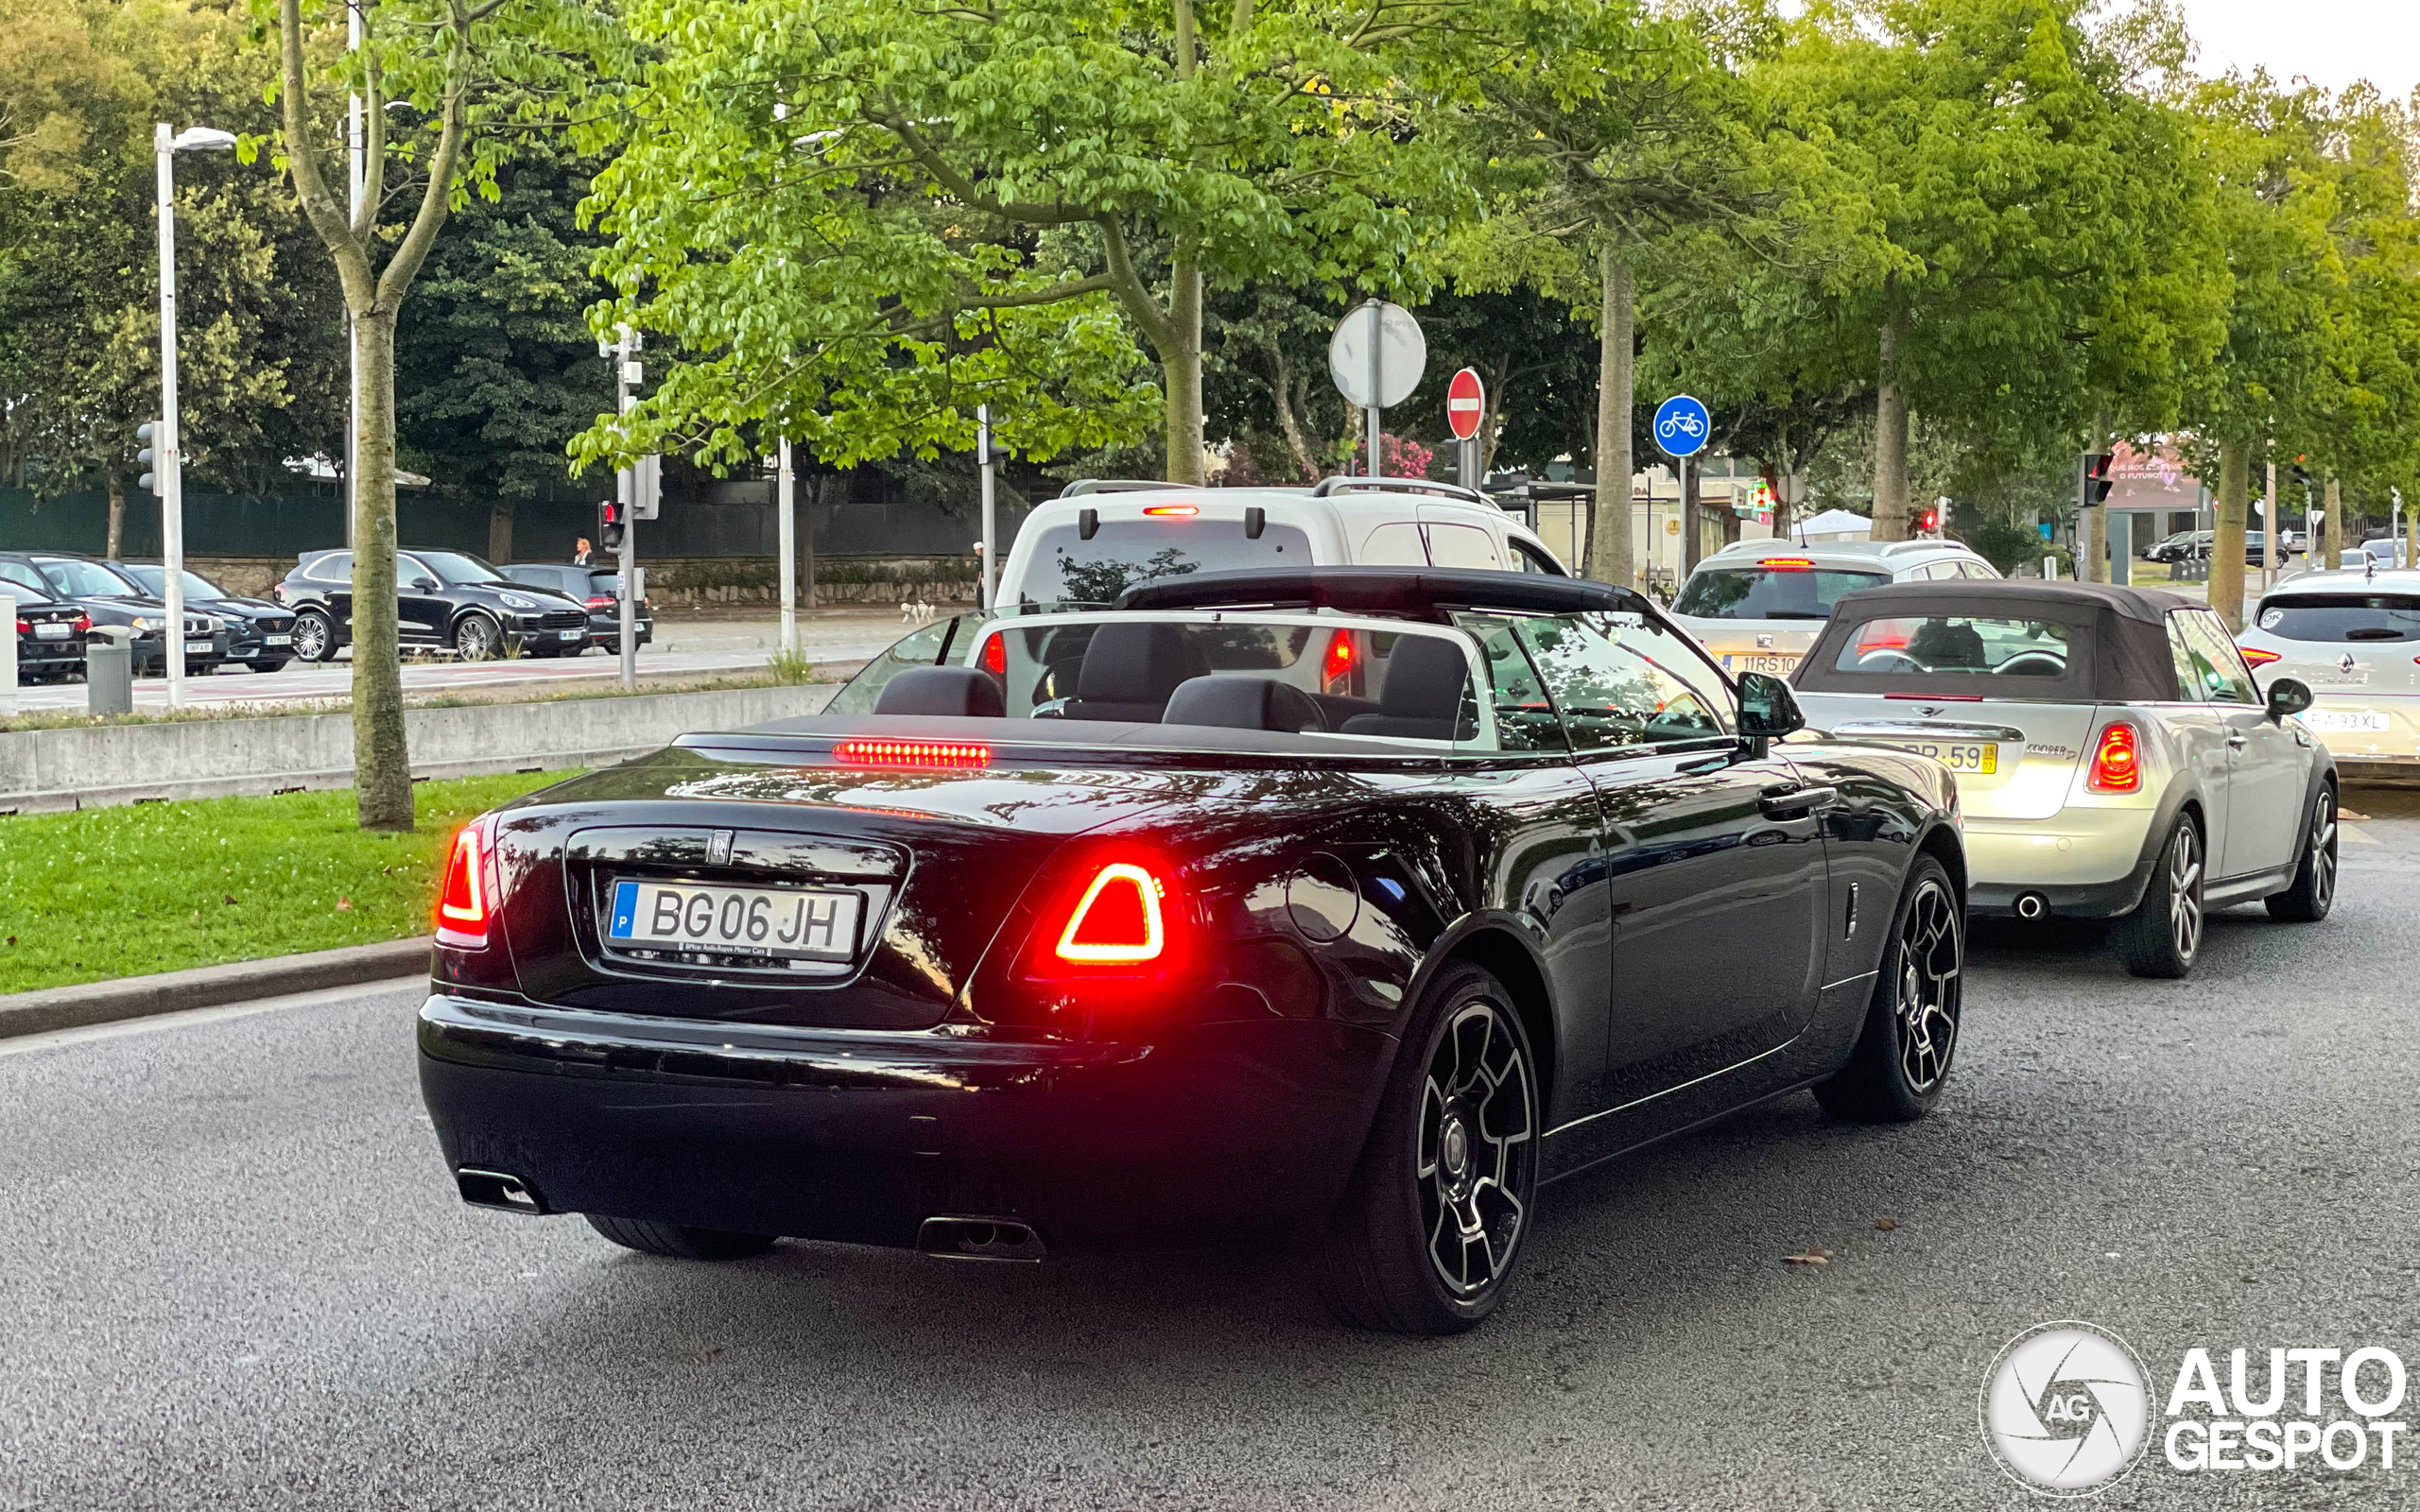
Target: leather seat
column 1243, row 700
column 1423, row 698
column 960, row 691
column 1130, row 670
column 1943, row 646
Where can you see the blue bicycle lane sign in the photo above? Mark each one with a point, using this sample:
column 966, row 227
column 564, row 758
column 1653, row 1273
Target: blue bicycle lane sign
column 1681, row 426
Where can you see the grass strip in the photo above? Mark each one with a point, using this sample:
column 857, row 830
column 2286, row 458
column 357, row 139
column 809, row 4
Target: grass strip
column 104, row 893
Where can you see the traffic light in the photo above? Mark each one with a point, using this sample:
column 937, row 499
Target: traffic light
column 149, row 481
column 2097, row 482
column 1929, row 523
column 609, row 525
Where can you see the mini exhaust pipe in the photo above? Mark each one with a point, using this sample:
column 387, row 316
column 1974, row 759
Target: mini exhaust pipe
column 1001, row 1239
column 500, row 1190
column 2031, row 905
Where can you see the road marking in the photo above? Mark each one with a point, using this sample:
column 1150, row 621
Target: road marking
column 2355, row 833
column 58, row 1039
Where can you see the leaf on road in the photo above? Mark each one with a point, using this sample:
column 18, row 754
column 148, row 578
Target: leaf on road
column 2341, row 811
column 1886, row 1225
column 1808, row 1256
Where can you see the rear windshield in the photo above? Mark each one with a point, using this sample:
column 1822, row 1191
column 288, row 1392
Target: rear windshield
column 1942, row 644
column 1069, row 571
column 2342, row 617
column 1769, row 592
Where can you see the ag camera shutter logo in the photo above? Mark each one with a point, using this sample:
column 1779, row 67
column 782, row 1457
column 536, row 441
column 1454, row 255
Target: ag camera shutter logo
column 2066, row 1409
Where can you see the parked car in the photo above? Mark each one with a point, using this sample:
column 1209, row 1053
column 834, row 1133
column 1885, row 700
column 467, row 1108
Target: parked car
column 2352, row 636
column 1276, row 905
column 1758, row 605
column 50, row 635
column 2289, row 541
column 107, row 596
column 2185, row 545
column 259, row 634
column 2115, row 758
column 446, row 601
column 600, row 588
column 1097, row 538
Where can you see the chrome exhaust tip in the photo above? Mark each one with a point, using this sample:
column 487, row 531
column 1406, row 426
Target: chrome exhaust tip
column 999, row 1239
column 500, row 1190
column 2031, row 905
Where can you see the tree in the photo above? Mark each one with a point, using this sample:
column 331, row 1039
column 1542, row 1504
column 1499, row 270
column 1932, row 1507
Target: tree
column 467, row 80
column 859, row 230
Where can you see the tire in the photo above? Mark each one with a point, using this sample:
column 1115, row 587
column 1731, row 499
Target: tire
column 2312, row 892
column 266, row 666
column 674, row 1242
column 1453, row 1153
column 1901, row 1060
column 315, row 637
column 2162, row 938
column 478, row 639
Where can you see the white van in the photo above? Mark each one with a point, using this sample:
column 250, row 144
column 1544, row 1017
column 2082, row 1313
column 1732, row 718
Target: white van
column 1098, row 538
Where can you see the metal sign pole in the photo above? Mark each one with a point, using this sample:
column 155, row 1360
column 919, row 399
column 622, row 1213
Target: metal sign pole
column 171, row 441
column 1378, row 345
column 987, row 587
column 788, row 489
column 626, row 489
column 8, row 657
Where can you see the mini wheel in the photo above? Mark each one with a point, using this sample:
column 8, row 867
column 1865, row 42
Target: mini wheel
column 674, row 1242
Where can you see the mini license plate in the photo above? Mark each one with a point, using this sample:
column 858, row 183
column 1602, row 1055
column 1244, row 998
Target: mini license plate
column 277, row 639
column 197, row 648
column 2345, row 721
column 1777, row 662
column 56, row 631
column 778, row 924
column 569, row 635
column 1982, row 757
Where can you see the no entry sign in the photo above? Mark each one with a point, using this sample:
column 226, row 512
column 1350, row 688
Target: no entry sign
column 1466, row 402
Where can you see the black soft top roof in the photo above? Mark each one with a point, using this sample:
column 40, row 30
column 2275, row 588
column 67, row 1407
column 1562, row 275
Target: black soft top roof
column 1419, row 592
column 2117, row 650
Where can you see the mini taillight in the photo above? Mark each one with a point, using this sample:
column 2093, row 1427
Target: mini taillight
column 957, row 753
column 1336, row 667
column 1787, row 564
column 2256, row 657
column 1118, row 921
column 462, row 900
column 2116, row 760
column 995, row 656
column 1172, row 508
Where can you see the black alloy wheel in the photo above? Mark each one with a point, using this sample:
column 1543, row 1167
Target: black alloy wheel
column 2313, row 893
column 476, row 639
column 315, row 637
column 1901, row 1060
column 2162, row 938
column 1433, row 1223
column 674, row 1242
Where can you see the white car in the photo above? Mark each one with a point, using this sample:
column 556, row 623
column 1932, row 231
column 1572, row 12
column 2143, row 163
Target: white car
column 1758, row 605
column 2354, row 638
column 2115, row 758
column 1096, row 539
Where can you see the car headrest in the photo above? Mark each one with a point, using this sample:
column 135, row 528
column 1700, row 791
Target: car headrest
column 961, row 691
column 1240, row 700
column 1137, row 664
column 1425, row 677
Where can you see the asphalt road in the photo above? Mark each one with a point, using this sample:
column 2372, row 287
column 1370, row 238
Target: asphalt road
column 233, row 1273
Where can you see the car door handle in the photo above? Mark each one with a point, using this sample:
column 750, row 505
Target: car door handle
column 2237, row 740
column 1791, row 802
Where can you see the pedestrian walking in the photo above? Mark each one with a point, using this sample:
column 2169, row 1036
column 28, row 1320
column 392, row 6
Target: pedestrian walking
column 580, row 553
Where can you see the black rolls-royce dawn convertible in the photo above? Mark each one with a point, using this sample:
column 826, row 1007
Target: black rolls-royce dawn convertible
column 1351, row 904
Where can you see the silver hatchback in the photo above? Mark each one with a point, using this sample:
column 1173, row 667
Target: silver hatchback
column 2354, row 638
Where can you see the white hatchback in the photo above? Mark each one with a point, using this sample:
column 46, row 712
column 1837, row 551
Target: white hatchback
column 2354, row 638
column 1758, row 605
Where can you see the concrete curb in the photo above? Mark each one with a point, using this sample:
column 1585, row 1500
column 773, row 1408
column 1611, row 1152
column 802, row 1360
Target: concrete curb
column 208, row 987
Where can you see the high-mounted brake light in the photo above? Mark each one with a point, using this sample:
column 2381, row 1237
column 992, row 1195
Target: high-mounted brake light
column 2256, row 657
column 462, row 900
column 1787, row 564
column 1337, row 666
column 995, row 656
column 957, row 753
column 1118, row 922
column 2116, row 760
column 1172, row 508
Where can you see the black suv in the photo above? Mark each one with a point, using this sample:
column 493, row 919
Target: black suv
column 50, row 635
column 110, row 597
column 259, row 634
column 446, row 601
column 600, row 588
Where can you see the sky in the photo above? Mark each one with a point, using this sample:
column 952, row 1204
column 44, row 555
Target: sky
column 2333, row 41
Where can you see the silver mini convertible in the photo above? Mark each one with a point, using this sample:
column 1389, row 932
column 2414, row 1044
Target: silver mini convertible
column 2115, row 758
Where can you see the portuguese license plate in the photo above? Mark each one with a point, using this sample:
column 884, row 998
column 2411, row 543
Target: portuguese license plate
column 56, row 631
column 197, row 648
column 569, row 635
column 1782, row 662
column 277, row 639
column 778, row 924
column 2345, row 721
column 1979, row 756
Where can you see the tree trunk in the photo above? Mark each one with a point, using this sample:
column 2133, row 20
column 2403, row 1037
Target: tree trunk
column 1613, row 555
column 1307, row 465
column 2093, row 547
column 1891, row 437
column 2331, row 535
column 806, row 540
column 1692, row 521
column 382, row 767
column 2227, row 518
column 500, row 531
column 117, row 512
column 1181, row 366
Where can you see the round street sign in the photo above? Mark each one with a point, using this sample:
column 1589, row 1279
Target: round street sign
column 1401, row 353
column 1681, row 426
column 1466, row 402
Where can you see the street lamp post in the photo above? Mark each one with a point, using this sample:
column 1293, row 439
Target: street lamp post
column 168, row 443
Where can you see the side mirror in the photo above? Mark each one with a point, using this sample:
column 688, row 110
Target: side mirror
column 2287, row 696
column 423, row 585
column 1767, row 709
